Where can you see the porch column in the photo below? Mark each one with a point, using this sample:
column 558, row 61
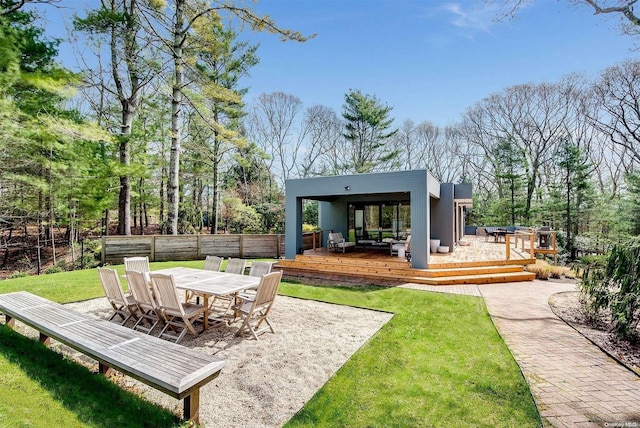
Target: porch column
column 293, row 227
column 419, row 229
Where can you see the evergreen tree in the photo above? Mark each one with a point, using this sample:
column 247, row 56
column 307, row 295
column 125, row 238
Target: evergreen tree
column 509, row 164
column 368, row 130
column 575, row 188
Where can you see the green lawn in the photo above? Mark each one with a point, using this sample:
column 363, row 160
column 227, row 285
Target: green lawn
column 438, row 362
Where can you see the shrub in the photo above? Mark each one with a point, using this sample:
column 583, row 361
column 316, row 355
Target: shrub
column 18, row 274
column 541, row 269
column 616, row 287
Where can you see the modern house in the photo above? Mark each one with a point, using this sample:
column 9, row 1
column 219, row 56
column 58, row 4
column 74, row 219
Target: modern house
column 373, row 209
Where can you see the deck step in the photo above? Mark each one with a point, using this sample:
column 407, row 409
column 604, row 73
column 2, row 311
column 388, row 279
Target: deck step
column 381, row 273
column 394, row 272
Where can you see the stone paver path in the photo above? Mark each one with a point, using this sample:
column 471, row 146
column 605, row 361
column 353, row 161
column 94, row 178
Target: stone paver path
column 573, row 382
column 466, row 289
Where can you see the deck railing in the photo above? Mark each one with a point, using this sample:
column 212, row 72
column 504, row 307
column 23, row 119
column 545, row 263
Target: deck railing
column 529, row 237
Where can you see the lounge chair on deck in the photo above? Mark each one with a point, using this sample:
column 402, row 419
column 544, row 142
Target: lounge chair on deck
column 337, row 242
column 402, row 245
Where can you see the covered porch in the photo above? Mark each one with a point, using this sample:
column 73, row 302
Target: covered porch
column 375, row 210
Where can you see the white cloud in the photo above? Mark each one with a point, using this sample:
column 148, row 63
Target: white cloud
column 472, row 16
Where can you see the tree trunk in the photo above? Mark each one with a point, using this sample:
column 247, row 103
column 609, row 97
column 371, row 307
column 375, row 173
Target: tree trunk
column 173, row 192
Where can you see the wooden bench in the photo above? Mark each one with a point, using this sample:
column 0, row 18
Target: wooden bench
column 173, row 369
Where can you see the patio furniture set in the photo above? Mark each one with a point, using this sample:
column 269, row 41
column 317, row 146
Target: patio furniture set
column 153, row 297
column 337, row 242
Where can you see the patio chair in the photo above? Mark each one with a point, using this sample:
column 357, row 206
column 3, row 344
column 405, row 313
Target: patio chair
column 210, row 263
column 124, row 304
column 257, row 269
column 139, row 264
column 146, row 302
column 224, row 303
column 179, row 317
column 255, row 311
column 213, row 263
column 260, row 268
column 401, row 245
column 236, row 266
column 336, row 242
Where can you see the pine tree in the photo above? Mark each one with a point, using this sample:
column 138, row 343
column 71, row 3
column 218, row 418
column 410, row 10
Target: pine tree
column 368, row 129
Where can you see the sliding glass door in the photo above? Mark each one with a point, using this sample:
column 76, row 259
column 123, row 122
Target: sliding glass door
column 375, row 222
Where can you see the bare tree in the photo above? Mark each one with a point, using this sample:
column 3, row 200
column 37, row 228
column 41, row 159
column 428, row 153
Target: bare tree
column 532, row 116
column 273, row 125
column 617, row 94
column 323, row 129
column 630, row 22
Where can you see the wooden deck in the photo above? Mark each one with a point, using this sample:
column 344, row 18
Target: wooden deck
column 482, row 261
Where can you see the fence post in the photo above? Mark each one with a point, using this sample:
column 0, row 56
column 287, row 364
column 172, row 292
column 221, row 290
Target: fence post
column 507, row 242
column 103, row 256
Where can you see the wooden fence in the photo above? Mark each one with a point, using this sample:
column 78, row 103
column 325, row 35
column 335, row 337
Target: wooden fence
column 191, row 247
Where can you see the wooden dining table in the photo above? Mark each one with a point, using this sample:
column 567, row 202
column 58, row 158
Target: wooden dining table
column 209, row 283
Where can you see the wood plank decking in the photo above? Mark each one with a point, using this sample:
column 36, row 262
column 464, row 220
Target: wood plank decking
column 481, row 262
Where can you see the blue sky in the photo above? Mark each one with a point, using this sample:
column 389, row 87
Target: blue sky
column 429, row 60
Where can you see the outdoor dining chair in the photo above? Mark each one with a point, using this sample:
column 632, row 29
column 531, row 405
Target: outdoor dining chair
column 179, row 317
column 210, row 263
column 222, row 304
column 139, row 264
column 124, row 304
column 150, row 313
column 213, row 263
column 236, row 266
column 257, row 269
column 260, row 268
column 255, row 311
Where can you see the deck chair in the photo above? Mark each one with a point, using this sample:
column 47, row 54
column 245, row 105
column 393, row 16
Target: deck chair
column 255, row 311
column 124, row 304
column 400, row 245
column 139, row 264
column 179, row 317
column 236, row 266
column 337, row 242
column 149, row 311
